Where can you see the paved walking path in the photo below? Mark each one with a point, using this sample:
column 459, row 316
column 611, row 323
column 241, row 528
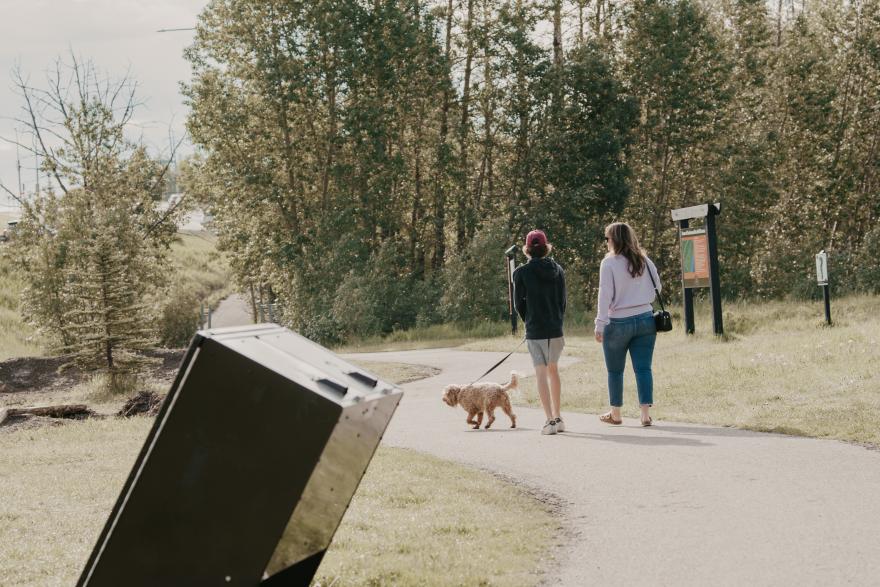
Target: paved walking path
column 675, row 504
column 233, row 311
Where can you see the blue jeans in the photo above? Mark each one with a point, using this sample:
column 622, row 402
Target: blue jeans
column 636, row 334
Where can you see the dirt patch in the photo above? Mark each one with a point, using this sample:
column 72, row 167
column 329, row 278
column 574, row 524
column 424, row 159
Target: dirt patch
column 33, row 374
column 24, row 374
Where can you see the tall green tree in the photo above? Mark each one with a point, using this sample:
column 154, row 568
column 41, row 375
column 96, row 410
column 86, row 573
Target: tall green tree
column 309, row 129
column 587, row 156
column 677, row 67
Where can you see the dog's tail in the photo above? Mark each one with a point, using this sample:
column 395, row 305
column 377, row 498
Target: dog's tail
column 514, row 381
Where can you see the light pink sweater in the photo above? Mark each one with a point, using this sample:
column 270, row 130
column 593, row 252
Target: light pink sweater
column 620, row 294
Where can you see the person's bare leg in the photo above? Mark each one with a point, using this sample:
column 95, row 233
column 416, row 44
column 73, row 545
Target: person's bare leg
column 645, row 408
column 555, row 389
column 544, row 390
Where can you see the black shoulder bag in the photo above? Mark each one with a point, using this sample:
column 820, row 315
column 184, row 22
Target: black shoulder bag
column 662, row 319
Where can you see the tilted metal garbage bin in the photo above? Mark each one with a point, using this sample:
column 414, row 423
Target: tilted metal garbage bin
column 249, row 466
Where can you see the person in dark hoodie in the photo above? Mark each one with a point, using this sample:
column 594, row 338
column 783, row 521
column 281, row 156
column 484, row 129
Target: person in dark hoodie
column 539, row 297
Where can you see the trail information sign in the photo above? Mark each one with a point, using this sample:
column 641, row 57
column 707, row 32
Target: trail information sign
column 699, row 260
column 822, row 268
column 695, row 258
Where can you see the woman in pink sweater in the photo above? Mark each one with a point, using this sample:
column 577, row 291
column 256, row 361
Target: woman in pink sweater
column 624, row 320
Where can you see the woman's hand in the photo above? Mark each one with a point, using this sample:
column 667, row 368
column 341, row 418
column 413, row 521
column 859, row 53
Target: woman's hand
column 598, row 337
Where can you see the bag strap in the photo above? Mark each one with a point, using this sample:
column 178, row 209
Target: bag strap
column 654, row 283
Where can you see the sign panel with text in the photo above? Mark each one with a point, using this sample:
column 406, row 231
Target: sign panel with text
column 822, row 268
column 695, row 258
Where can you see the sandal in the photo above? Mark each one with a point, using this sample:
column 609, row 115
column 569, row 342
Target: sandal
column 608, row 419
column 648, row 422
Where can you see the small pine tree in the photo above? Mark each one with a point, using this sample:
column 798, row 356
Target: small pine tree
column 106, row 277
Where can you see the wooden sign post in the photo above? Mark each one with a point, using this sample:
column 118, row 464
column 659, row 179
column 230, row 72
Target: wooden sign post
column 699, row 261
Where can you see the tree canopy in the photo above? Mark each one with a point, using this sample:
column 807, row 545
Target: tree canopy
column 359, row 155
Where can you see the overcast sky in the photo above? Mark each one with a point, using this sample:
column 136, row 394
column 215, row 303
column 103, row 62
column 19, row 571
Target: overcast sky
column 116, row 35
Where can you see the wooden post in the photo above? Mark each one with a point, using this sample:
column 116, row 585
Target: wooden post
column 687, row 293
column 714, row 279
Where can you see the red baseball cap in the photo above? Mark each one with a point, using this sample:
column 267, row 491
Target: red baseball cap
column 536, row 237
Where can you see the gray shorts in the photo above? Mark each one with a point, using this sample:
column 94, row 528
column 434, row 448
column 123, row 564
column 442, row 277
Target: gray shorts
column 545, row 350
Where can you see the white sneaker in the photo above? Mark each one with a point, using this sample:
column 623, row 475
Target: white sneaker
column 549, row 427
column 560, row 425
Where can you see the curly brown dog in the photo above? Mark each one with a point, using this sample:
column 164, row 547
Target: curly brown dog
column 482, row 397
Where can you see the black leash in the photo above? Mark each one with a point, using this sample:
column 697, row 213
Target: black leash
column 492, row 368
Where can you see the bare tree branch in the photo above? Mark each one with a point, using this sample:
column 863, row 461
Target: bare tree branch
column 22, row 85
column 11, row 194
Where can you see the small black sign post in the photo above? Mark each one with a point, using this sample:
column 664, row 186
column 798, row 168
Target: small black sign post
column 510, row 265
column 688, row 295
column 699, row 261
column 822, row 280
column 715, row 281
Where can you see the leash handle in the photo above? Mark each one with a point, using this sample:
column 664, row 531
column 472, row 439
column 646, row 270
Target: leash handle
column 492, row 368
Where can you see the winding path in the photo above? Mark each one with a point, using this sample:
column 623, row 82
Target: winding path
column 675, row 504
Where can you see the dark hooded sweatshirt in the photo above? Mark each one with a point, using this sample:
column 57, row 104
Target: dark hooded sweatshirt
column 539, row 296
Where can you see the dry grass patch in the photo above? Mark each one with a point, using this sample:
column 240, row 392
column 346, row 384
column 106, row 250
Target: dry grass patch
column 58, row 484
column 418, row 520
column 440, row 524
column 399, row 373
column 415, row 520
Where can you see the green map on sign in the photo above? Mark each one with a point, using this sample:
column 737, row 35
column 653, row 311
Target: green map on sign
column 688, row 261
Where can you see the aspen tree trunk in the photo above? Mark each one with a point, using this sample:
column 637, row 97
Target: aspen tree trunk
column 439, row 187
column 779, row 24
column 462, row 217
column 484, row 183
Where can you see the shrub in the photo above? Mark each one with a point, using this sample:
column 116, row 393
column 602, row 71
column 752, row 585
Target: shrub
column 178, row 317
column 386, row 295
column 475, row 278
column 868, row 274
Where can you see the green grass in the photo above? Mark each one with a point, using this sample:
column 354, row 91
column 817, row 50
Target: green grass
column 17, row 337
column 58, row 484
column 201, row 267
column 439, row 523
column 434, row 336
column 418, row 520
column 778, row 369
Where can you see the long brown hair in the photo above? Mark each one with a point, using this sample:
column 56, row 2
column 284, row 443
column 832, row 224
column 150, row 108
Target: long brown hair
column 624, row 242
